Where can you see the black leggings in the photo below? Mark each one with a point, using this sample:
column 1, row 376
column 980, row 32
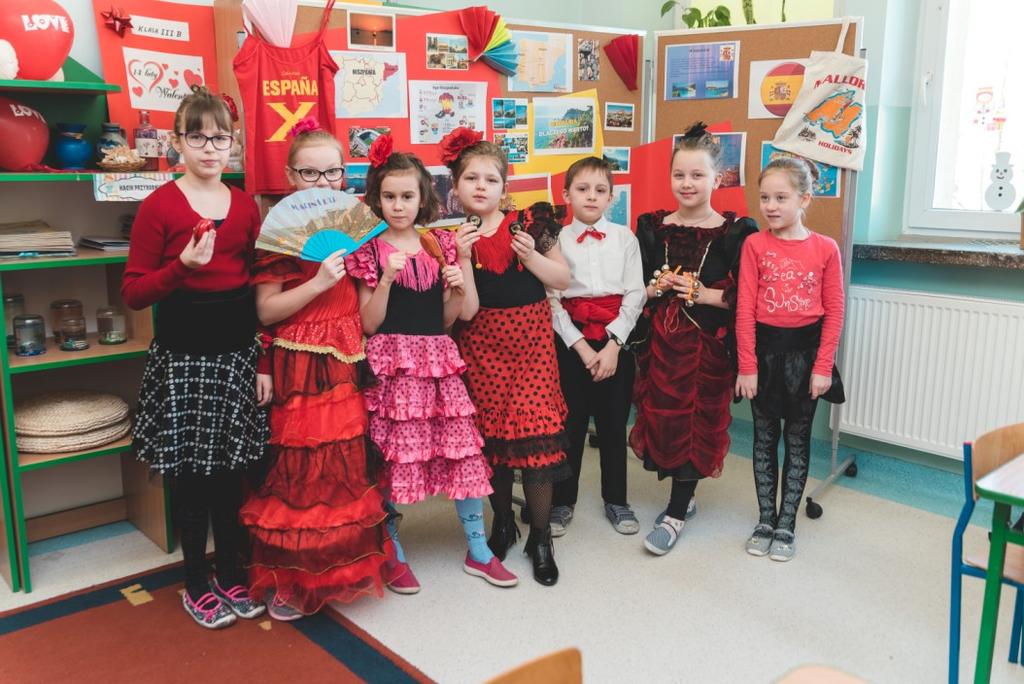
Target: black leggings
column 198, row 500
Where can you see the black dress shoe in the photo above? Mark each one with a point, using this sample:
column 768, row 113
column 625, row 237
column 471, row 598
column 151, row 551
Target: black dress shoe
column 504, row 533
column 541, row 551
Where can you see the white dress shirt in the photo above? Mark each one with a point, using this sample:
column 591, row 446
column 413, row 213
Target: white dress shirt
column 610, row 266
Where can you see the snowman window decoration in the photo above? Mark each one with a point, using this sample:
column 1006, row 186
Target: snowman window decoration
column 1000, row 193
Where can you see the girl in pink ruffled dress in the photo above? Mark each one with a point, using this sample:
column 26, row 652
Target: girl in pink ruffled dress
column 421, row 417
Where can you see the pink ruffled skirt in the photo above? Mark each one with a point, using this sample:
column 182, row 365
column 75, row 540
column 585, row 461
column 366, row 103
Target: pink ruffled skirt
column 421, row 419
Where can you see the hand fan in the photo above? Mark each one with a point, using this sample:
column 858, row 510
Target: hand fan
column 622, row 53
column 312, row 224
column 489, row 39
column 430, row 245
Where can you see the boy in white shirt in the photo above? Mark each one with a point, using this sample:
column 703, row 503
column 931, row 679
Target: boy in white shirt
column 593, row 319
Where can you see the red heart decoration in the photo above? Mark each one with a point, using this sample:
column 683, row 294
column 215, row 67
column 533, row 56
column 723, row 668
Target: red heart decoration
column 166, row 65
column 137, row 90
column 173, row 82
column 192, row 78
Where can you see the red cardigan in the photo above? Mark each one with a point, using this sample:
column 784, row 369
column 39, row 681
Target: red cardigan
column 789, row 284
column 162, row 228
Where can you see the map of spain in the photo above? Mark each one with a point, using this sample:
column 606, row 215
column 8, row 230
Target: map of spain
column 543, row 62
column 370, row 85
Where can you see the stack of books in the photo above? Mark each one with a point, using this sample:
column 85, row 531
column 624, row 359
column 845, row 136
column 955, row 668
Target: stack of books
column 104, row 242
column 34, row 239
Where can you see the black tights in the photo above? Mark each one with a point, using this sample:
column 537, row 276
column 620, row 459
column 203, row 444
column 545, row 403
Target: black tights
column 198, row 500
column 796, row 435
column 682, row 492
column 538, row 497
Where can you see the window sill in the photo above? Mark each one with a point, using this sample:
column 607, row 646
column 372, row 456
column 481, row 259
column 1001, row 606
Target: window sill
column 945, row 251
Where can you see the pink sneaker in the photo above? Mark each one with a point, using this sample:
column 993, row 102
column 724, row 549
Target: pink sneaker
column 493, row 572
column 399, row 578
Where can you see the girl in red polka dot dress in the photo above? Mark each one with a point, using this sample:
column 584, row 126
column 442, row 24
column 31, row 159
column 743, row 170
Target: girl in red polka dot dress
column 508, row 343
column 421, row 418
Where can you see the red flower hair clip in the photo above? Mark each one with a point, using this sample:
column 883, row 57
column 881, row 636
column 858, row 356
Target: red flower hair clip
column 455, row 142
column 232, row 107
column 380, row 150
column 308, row 123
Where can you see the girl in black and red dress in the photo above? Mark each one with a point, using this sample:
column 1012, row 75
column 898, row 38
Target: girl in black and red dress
column 508, row 343
column 687, row 369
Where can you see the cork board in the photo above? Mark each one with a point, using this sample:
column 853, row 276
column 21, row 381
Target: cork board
column 609, row 86
column 779, row 41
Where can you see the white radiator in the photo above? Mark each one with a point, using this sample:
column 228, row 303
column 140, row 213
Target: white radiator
column 930, row 371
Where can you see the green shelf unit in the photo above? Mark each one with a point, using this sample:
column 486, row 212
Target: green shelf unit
column 64, row 87
column 145, row 502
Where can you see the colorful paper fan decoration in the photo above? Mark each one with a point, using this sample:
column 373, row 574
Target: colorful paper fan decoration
column 489, row 39
column 313, row 224
column 275, row 19
column 622, row 53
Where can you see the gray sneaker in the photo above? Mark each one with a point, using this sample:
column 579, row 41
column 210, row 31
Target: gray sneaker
column 760, row 541
column 691, row 508
column 664, row 536
column 783, row 548
column 622, row 518
column 208, row 611
column 560, row 518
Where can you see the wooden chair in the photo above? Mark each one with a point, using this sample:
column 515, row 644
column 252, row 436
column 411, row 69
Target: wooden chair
column 560, row 667
column 987, row 453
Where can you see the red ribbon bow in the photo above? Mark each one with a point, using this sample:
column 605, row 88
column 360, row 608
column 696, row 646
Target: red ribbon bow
column 116, row 20
column 590, row 232
column 265, row 341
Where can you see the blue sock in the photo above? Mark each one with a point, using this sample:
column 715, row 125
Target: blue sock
column 471, row 513
column 392, row 525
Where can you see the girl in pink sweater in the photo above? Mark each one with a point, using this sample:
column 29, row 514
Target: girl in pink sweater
column 789, row 314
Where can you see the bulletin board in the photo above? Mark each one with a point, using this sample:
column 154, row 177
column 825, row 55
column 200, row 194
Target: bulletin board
column 756, row 43
column 411, row 28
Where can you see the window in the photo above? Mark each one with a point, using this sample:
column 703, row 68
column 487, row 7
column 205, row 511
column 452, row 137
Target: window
column 967, row 128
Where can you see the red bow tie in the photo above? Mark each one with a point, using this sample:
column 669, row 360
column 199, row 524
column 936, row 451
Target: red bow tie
column 590, row 232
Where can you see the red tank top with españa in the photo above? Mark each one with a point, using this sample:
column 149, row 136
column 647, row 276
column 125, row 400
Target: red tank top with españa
column 279, row 87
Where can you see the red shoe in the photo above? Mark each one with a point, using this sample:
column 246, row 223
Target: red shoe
column 399, row 578
column 493, row 572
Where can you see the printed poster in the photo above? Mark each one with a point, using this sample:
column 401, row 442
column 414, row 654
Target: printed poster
column 516, row 146
column 528, row 189
column 508, row 113
column 545, row 62
column 439, row 107
column 452, row 211
column 773, row 87
column 618, row 212
column 447, row 52
column 563, row 125
column 702, row 71
column 829, row 179
column 588, row 60
column 159, row 81
column 370, row 85
column 617, row 158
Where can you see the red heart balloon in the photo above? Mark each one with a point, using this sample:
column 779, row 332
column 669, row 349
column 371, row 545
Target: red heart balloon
column 41, row 33
column 25, row 135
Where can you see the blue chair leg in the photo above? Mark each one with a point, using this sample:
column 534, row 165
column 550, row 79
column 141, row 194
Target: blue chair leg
column 954, row 625
column 1015, row 632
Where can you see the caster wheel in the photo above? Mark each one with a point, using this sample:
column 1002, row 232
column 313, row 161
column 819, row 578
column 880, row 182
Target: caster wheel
column 592, row 440
column 814, row 510
column 851, row 470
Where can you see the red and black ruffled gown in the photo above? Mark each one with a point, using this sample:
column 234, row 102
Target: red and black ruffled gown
column 687, row 367
column 316, row 522
column 509, row 350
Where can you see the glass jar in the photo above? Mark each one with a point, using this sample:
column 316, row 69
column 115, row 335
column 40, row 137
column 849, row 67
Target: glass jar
column 110, row 324
column 29, row 335
column 72, row 334
column 60, row 309
column 14, row 305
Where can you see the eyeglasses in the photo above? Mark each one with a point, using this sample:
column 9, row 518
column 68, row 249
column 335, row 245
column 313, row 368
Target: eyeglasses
column 312, row 175
column 197, row 141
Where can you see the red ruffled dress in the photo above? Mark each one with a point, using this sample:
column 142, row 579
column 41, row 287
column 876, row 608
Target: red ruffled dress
column 316, row 522
column 687, row 368
column 421, row 417
column 509, row 348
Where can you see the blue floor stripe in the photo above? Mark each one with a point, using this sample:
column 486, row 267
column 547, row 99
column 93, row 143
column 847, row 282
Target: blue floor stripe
column 348, row 649
column 67, row 541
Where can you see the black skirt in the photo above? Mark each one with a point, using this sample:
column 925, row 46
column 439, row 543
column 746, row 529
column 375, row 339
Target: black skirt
column 197, row 411
column 785, row 362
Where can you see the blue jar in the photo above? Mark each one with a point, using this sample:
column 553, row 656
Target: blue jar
column 112, row 136
column 73, row 150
